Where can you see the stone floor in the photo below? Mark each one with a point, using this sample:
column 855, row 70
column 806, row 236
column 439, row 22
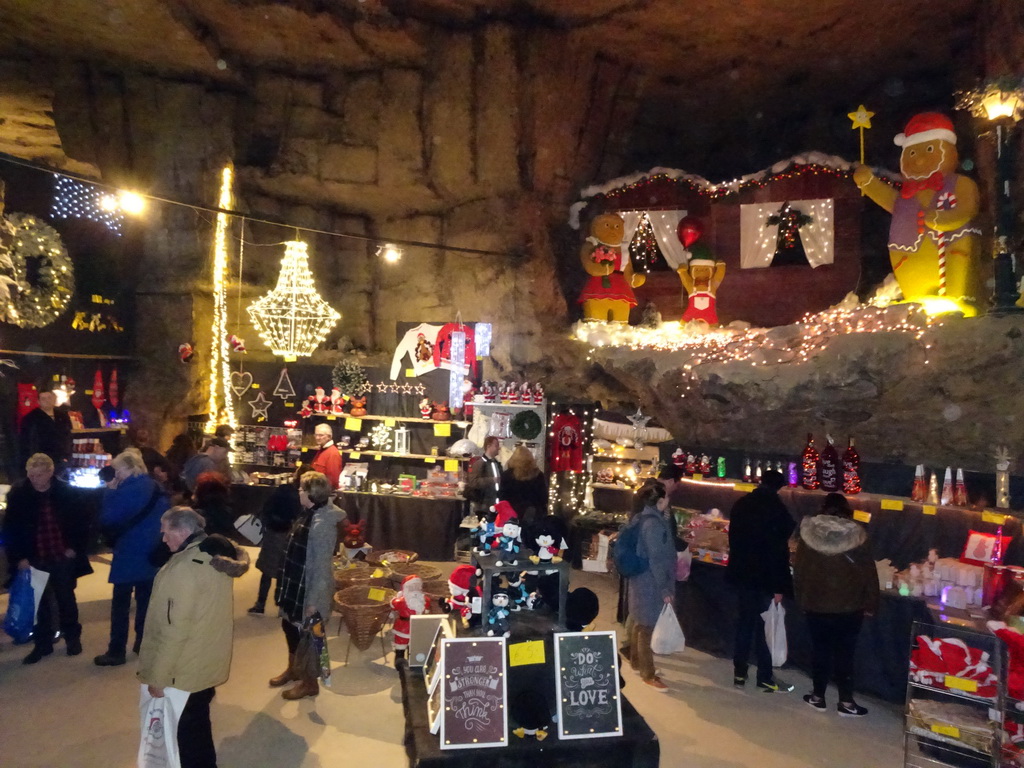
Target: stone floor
column 67, row 713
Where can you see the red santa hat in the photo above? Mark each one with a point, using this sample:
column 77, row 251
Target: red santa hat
column 504, row 514
column 412, row 581
column 461, row 578
column 926, row 127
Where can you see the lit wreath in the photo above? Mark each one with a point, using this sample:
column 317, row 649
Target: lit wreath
column 38, row 305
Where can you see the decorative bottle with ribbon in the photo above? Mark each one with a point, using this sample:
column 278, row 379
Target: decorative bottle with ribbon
column 851, row 470
column 829, row 469
column 809, row 461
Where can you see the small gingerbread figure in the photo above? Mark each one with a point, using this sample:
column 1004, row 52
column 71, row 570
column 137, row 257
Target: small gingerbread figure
column 700, row 277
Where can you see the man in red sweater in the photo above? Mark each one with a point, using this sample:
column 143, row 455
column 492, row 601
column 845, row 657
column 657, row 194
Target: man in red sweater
column 328, row 457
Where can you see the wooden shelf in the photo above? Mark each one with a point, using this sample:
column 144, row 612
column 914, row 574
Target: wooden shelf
column 97, row 430
column 404, row 419
column 392, row 455
column 476, row 404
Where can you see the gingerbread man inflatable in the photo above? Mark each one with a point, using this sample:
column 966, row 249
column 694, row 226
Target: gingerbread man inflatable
column 933, row 242
column 608, row 294
column 700, row 277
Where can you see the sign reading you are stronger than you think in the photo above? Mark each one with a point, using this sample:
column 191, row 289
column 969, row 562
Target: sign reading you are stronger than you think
column 589, row 701
column 474, row 695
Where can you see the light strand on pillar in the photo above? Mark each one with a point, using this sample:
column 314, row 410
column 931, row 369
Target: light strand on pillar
column 220, row 367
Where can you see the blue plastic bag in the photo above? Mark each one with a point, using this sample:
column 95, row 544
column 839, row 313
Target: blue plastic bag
column 21, row 608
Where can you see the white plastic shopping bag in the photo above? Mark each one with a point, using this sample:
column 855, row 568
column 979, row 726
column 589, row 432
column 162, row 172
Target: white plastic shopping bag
column 775, row 633
column 158, row 747
column 39, row 579
column 668, row 635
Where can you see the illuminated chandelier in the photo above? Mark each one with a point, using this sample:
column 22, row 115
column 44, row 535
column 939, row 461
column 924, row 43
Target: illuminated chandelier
column 292, row 319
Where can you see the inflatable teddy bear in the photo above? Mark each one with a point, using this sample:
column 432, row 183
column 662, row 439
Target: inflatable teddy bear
column 608, row 294
column 933, row 242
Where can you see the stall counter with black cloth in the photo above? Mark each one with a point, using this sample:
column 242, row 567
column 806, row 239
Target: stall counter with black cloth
column 421, row 524
column 637, row 747
column 706, row 606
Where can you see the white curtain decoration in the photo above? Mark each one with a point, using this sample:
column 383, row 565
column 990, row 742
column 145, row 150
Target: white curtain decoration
column 665, row 225
column 630, row 221
column 758, row 238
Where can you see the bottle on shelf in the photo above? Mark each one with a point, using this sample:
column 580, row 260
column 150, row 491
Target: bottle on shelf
column 809, row 465
column 960, row 490
column 747, row 472
column 997, row 548
column 851, row 470
column 778, row 467
column 829, row 469
column 793, row 475
column 933, row 489
column 757, row 471
column 919, row 492
column 946, row 498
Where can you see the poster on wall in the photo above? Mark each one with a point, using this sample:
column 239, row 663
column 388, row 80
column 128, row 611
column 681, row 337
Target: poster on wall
column 474, row 694
column 589, row 702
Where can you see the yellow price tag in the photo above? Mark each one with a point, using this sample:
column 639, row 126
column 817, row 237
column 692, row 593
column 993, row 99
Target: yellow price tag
column 947, row 730
column 88, row 391
column 698, row 476
column 744, row 487
column 892, row 504
column 389, row 422
column 928, row 509
column 429, row 460
column 56, row 377
column 354, row 455
column 375, row 593
column 290, row 359
column 531, row 652
column 289, row 405
column 442, row 430
column 961, row 684
column 410, row 373
column 378, row 457
column 993, row 517
column 332, row 417
column 378, row 573
column 451, row 465
column 353, row 425
column 861, row 516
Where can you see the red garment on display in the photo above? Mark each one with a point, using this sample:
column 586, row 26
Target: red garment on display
column 1015, row 650
column 567, row 445
column 443, row 346
column 934, row 658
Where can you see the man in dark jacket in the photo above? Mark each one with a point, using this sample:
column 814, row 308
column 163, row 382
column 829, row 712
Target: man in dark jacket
column 47, row 429
column 46, row 529
column 759, row 531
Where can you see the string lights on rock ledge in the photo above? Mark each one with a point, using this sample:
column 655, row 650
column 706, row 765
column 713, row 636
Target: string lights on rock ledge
column 795, row 343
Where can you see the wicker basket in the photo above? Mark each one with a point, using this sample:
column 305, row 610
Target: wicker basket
column 391, row 557
column 426, row 572
column 362, row 575
column 951, row 722
column 363, row 612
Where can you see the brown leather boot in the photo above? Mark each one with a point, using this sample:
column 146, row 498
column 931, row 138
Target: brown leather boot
column 301, row 690
column 285, row 677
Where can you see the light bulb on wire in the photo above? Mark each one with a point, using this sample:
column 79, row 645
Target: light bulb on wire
column 390, row 253
column 131, row 203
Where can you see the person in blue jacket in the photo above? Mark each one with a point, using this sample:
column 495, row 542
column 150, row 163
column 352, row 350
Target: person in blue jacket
column 132, row 506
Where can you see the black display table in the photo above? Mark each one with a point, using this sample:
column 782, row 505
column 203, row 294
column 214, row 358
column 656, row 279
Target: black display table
column 706, row 606
column 486, row 564
column 637, row 747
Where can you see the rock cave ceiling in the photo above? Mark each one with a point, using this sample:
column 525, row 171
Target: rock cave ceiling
column 764, row 75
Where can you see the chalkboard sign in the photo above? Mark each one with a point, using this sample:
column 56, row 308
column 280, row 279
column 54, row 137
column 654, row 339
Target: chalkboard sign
column 589, row 702
column 474, row 694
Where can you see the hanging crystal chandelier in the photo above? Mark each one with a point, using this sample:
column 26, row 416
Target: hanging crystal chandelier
column 292, row 319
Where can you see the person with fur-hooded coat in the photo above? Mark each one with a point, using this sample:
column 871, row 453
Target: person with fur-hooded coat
column 836, row 583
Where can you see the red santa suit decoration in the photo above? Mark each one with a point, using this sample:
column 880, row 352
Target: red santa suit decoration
column 459, row 585
column 410, row 601
column 567, row 446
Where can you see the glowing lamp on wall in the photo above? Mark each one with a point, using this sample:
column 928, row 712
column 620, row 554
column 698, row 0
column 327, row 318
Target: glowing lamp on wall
column 292, row 319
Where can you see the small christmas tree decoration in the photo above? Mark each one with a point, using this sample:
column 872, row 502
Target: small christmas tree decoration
column 721, row 466
column 933, row 489
column 946, row 498
column 809, row 465
column 284, row 388
column 793, row 475
column 960, row 491
column 851, row 470
column 919, row 492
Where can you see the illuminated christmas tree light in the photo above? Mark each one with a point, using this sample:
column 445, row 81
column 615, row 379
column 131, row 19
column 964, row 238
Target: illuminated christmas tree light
column 220, row 369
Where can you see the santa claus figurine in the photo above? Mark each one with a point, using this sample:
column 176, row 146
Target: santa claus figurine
column 410, row 601
column 337, row 402
column 459, row 585
column 322, row 403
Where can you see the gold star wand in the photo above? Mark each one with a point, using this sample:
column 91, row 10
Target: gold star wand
column 861, row 119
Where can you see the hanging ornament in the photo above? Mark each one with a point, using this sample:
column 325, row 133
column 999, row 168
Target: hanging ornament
column 809, row 463
column 851, row 470
column 639, row 422
column 114, row 393
column 960, row 492
column 98, row 397
column 240, row 382
column 919, row 492
column 292, row 319
column 186, row 352
column 284, row 388
column 947, row 488
column 259, row 407
column 237, row 344
column 457, row 374
column 689, row 231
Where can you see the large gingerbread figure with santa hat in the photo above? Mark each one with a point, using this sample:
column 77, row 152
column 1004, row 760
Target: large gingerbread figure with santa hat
column 410, row 601
column 933, row 241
